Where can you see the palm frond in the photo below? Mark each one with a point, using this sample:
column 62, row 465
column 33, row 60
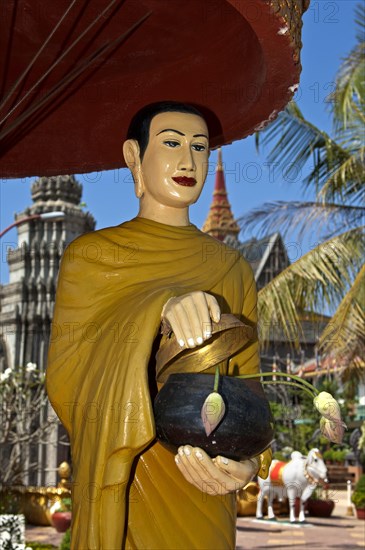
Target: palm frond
column 347, row 180
column 294, row 138
column 296, row 216
column 320, row 277
column 360, row 21
column 348, row 97
column 295, row 141
column 344, row 336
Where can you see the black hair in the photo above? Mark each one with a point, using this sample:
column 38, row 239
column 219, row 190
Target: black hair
column 139, row 128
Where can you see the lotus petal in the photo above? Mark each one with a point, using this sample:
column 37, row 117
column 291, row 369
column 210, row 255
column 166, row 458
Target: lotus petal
column 332, row 430
column 212, row 411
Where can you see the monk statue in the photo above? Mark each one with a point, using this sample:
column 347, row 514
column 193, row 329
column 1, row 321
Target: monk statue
column 116, row 286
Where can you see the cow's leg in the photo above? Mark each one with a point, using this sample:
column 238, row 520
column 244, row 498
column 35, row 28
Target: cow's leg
column 270, row 508
column 301, row 512
column 292, row 493
column 260, row 499
column 303, row 499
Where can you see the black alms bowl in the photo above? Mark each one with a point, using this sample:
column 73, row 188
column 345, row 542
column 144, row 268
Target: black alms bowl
column 245, row 431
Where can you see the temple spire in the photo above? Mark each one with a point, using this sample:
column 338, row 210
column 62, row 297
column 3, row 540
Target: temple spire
column 220, row 222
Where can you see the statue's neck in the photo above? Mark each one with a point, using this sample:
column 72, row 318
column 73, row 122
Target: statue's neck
column 164, row 214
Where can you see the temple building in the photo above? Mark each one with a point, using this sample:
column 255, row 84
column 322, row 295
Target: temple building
column 27, row 301
column 268, row 257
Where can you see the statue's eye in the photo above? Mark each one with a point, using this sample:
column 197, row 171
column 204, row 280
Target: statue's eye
column 198, row 147
column 171, row 143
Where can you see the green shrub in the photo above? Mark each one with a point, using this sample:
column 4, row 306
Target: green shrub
column 10, row 502
column 339, row 455
column 358, row 496
column 360, row 485
column 328, row 455
column 335, row 454
column 66, row 541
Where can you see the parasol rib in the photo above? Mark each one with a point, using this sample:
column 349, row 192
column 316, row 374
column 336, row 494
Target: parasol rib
column 72, row 76
column 80, row 37
column 24, row 74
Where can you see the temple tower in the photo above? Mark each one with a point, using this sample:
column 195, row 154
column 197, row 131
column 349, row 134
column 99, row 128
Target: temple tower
column 27, row 301
column 220, row 222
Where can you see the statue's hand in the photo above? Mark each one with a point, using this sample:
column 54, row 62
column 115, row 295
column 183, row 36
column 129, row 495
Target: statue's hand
column 190, row 317
column 217, row 476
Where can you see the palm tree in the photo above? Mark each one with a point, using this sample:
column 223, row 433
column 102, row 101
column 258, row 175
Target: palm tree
column 332, row 274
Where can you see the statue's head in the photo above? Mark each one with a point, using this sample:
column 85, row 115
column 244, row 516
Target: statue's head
column 167, row 151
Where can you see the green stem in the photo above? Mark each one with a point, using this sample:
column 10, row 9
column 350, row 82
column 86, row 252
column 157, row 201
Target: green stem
column 288, row 384
column 300, row 381
column 216, row 379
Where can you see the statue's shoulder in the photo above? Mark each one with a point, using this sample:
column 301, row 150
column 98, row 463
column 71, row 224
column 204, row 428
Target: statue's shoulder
column 86, row 248
column 100, row 237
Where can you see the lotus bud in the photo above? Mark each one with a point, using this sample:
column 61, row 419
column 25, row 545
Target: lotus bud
column 332, row 430
column 212, row 411
column 327, row 406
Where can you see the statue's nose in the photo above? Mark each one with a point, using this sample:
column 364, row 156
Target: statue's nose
column 186, row 161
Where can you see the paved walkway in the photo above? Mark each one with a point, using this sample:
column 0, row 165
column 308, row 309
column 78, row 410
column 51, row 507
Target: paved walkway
column 339, row 532
column 325, row 534
column 48, row 535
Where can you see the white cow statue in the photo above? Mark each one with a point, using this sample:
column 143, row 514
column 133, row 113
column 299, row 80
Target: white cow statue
column 297, row 478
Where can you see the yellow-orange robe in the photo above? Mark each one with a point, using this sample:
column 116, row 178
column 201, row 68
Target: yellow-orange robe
column 113, row 283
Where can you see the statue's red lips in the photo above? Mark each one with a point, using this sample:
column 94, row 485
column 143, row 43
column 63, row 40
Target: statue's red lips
column 188, row 182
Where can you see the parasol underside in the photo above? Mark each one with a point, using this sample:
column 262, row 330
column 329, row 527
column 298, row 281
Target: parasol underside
column 87, row 67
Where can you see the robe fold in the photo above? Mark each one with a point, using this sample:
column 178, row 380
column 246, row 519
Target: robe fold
column 113, row 284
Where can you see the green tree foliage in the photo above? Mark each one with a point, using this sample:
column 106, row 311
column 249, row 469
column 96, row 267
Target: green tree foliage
column 331, row 275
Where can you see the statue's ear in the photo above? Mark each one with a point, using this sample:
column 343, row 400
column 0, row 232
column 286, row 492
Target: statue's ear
column 132, row 159
column 131, row 154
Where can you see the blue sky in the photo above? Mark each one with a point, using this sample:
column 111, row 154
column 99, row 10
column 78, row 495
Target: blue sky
column 328, row 35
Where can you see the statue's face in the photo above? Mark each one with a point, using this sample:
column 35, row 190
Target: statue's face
column 175, row 163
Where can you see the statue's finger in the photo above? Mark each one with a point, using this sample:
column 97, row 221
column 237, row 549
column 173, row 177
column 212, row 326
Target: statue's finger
column 183, row 322
column 186, row 472
column 243, row 471
column 223, row 481
column 204, row 318
column 193, row 308
column 189, row 467
column 175, row 325
column 214, row 309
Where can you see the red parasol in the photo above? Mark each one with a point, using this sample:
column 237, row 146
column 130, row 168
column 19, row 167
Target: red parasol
column 74, row 72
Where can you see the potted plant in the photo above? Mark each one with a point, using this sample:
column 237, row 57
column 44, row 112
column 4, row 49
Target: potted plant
column 339, row 455
column 358, row 497
column 328, row 456
column 61, row 517
column 318, row 506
